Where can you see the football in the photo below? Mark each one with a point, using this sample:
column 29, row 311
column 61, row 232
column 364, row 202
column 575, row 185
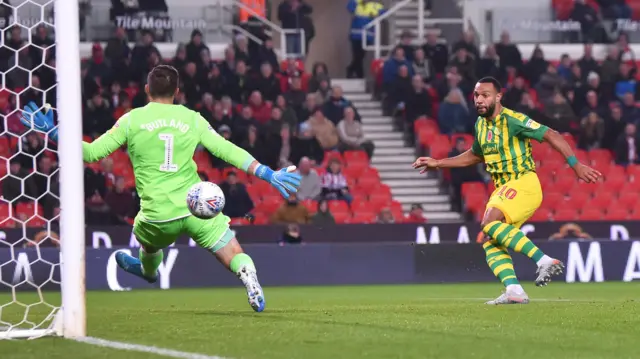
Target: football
column 205, row 200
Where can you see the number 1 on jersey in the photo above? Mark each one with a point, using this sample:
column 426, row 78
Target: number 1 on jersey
column 168, row 165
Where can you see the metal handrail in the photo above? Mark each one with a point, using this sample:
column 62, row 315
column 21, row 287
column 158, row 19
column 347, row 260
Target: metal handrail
column 376, row 24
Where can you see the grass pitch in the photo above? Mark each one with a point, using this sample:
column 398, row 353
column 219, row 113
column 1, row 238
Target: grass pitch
column 422, row 321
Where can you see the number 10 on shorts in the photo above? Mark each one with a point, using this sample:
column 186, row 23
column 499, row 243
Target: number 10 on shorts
column 508, row 193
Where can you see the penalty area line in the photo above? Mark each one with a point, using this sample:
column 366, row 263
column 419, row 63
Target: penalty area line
column 143, row 348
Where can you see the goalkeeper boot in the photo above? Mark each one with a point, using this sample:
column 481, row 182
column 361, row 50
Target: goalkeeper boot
column 510, row 297
column 547, row 269
column 132, row 265
column 249, row 278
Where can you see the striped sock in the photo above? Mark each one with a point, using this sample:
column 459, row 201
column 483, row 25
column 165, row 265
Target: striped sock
column 511, row 237
column 500, row 263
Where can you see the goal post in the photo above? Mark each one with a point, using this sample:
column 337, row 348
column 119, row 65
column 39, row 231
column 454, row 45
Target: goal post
column 72, row 227
column 47, row 302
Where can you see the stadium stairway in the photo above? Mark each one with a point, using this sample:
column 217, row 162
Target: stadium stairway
column 393, row 158
column 405, row 20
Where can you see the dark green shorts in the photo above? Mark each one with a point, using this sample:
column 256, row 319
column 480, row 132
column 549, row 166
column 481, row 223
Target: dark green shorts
column 211, row 234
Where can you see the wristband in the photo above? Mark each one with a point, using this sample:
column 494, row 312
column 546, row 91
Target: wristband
column 572, row 161
column 264, row 172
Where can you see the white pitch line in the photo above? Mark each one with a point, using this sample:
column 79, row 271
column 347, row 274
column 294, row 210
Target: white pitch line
column 144, row 349
column 532, row 299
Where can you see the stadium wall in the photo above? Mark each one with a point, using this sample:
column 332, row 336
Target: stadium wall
column 461, row 233
column 327, row 264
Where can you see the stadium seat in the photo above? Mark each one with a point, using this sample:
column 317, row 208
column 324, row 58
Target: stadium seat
column 242, row 176
column 615, row 182
column 262, row 188
column 239, row 222
column 5, row 150
column 254, row 193
column 355, row 156
column 269, row 206
column 363, row 217
column 311, row 205
column 577, row 200
column 633, row 171
column 426, row 136
column 582, row 156
column 338, row 206
column 29, row 209
column 602, row 199
column 473, row 187
column 260, row 219
column 214, row 175
column 424, row 123
column 355, row 170
column 565, row 215
column 541, row 215
column 552, row 200
column 600, row 156
column 367, row 185
column 360, row 204
column 591, row 214
column 565, row 184
column 36, row 222
column 341, row 217
column 569, row 138
column 616, row 214
column 552, row 165
column 4, row 210
column 475, row 201
column 379, row 201
column 7, row 223
column 635, row 213
column 371, row 172
column 627, row 200
column 330, row 155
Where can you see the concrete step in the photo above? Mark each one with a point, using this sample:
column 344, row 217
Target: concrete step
column 411, row 182
column 367, row 105
column 360, row 96
column 396, row 166
column 378, row 136
column 376, row 120
column 415, row 191
column 370, row 112
column 397, row 143
column 402, row 175
column 413, row 28
column 350, row 85
column 379, row 159
column 437, row 199
column 373, row 128
column 428, row 207
column 438, row 216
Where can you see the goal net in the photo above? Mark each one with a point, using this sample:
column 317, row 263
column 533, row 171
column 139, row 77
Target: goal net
column 41, row 203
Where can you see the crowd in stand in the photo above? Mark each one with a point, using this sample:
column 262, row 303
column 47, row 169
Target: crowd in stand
column 595, row 101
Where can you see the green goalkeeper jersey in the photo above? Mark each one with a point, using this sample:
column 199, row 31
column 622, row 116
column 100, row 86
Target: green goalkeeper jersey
column 161, row 140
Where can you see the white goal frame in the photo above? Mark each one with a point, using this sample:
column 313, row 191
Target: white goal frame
column 70, row 320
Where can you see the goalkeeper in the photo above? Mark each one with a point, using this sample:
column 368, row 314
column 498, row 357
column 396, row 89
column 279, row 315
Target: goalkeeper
column 161, row 139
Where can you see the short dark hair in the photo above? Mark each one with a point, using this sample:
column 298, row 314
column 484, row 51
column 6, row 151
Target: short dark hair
column 491, row 80
column 163, row 81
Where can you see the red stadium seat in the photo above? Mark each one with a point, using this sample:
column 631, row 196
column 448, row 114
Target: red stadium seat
column 260, row 219
column 552, row 165
column 616, row 214
column 363, row 217
column 269, row 205
column 213, row 174
column 565, row 215
column 36, row 222
column 359, row 192
column 591, row 214
column 569, row 138
column 368, row 184
column 475, row 201
column 371, row 172
column 565, row 184
column 338, row 206
column 426, row 136
column 331, row 155
column 360, row 205
column 29, row 209
column 473, row 187
column 4, row 210
column 379, row 201
column 602, row 199
column 254, row 193
column 355, row 156
column 615, row 182
column 600, row 156
column 541, row 215
column 552, row 200
column 425, row 123
column 341, row 217
column 628, row 200
column 239, row 222
column 355, row 170
column 6, row 222
column 577, row 200
column 582, row 156
column 311, row 205
column 633, row 171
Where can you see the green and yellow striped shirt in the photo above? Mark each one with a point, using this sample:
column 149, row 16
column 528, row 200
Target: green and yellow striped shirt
column 505, row 144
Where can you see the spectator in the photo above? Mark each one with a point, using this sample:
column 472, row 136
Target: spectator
column 351, row 134
column 306, row 144
column 319, row 74
column 466, row 65
column 592, row 105
column 44, row 46
column 615, row 9
column 195, row 46
column 191, row 84
column 288, row 114
column 205, row 65
column 385, row 216
column 323, row 216
column 324, row 130
column 401, row 88
column 513, row 95
column 237, row 200
column 536, row 67
column 436, row 52
column 422, row 66
column 324, row 91
column 453, row 114
column 292, row 211
column 334, row 184
column 12, row 190
column 266, row 54
column 141, row 52
column 625, row 82
column 261, row 110
column 333, row 109
column 416, row 215
column 267, row 83
column 628, row 146
column 219, row 118
column 225, row 132
column 15, row 42
column 550, row 83
column 117, row 49
column 588, row 19
column 241, row 46
column 124, row 106
column 393, row 64
column 228, row 66
column 310, row 105
column 273, row 127
column 32, row 148
column 406, row 39
column 451, row 81
column 560, row 113
column 291, row 235
column 630, row 112
column 575, row 78
column 461, row 175
column 256, row 147
column 614, row 126
column 587, row 63
column 239, row 86
column 98, row 116
column 610, row 66
column 509, row 53
column 296, row 14
column 626, row 52
column 120, row 202
column 564, row 67
column 591, row 132
column 20, row 65
column 242, row 124
column 45, row 182
column 468, row 42
column 363, row 12
column 418, row 102
column 296, row 96
column 285, row 147
column 310, row 185
column 489, row 64
column 206, row 108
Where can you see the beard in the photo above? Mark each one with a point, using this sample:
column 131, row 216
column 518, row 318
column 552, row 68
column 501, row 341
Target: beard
column 489, row 111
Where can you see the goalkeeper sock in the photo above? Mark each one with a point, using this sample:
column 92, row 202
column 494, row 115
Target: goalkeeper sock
column 241, row 260
column 150, row 262
column 501, row 264
column 511, row 237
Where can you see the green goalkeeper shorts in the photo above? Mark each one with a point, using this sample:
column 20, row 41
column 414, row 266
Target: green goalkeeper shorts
column 211, row 234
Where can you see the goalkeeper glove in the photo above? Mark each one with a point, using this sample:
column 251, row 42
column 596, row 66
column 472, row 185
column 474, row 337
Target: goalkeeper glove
column 283, row 180
column 33, row 118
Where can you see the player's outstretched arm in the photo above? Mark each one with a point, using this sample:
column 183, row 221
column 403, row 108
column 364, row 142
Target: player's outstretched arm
column 583, row 172
column 464, row 159
column 283, row 180
column 108, row 143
